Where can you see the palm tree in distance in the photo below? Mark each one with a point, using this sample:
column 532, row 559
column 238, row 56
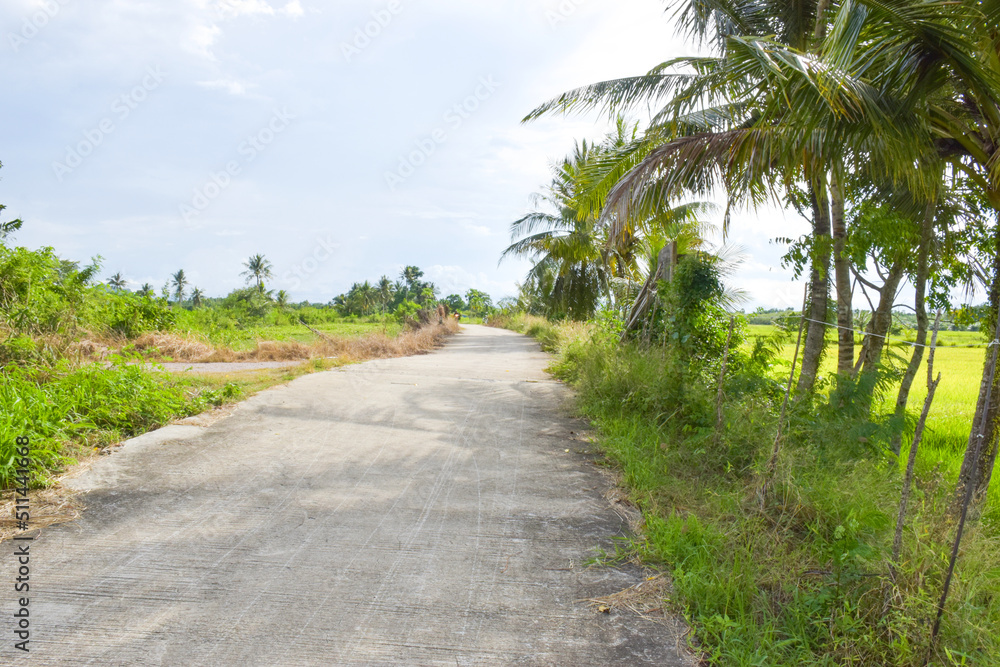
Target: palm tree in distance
column 385, row 291
column 117, row 282
column 197, row 297
column 180, row 283
column 565, row 247
column 146, row 290
column 281, row 299
column 367, row 296
column 412, row 275
column 258, row 270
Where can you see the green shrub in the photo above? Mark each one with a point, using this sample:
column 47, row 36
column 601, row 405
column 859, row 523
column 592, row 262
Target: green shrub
column 127, row 314
column 95, row 403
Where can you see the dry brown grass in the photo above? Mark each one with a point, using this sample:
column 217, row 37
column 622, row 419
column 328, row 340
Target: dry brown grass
column 646, row 599
column 380, row 346
column 159, row 346
column 48, row 507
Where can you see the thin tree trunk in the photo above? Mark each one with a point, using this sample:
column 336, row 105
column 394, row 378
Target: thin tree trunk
column 920, row 287
column 772, row 463
column 878, row 328
column 722, row 380
column 665, row 262
column 980, row 467
column 819, row 287
column 842, row 274
column 897, row 543
column 978, row 438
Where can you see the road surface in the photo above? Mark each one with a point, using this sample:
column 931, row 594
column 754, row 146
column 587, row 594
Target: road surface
column 418, row 511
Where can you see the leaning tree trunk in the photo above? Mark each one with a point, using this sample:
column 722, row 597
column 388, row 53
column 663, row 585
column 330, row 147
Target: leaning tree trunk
column 920, row 287
column 842, row 275
column 878, row 328
column 819, row 287
column 980, row 468
column 665, row 263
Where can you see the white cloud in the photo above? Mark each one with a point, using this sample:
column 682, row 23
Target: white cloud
column 234, row 8
column 293, row 9
column 772, row 293
column 199, row 40
column 206, row 31
column 230, row 86
column 458, row 207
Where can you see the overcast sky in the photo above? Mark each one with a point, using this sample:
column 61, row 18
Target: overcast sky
column 343, row 140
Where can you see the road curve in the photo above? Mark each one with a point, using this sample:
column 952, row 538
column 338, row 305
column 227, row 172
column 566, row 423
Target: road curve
column 417, row 511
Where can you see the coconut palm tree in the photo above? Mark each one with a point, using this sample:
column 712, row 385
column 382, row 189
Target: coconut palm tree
column 386, row 290
column 727, row 121
column 258, row 269
column 180, row 283
column 367, row 297
column 197, row 297
column 411, row 275
column 117, row 282
column 146, row 290
column 281, row 299
column 564, row 246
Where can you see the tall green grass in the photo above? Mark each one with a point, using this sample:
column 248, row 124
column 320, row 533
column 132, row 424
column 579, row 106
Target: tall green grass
column 63, row 409
column 803, row 579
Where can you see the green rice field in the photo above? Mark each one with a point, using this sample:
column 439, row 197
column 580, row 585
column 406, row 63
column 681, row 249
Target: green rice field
column 959, row 359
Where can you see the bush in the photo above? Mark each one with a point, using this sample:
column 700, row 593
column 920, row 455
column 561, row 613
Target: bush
column 39, row 293
column 247, row 305
column 127, row 314
column 100, row 404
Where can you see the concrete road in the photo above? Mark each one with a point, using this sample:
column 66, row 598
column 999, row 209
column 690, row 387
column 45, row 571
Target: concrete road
column 417, row 511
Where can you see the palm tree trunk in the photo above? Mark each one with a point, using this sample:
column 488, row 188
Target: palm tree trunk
column 665, row 263
column 819, row 287
column 980, row 468
column 920, row 286
column 842, row 274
